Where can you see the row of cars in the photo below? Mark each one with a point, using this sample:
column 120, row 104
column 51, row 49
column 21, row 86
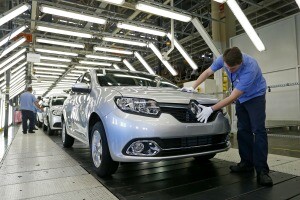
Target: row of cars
column 128, row 116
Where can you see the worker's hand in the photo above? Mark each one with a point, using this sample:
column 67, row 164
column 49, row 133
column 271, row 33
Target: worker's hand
column 187, row 89
column 203, row 115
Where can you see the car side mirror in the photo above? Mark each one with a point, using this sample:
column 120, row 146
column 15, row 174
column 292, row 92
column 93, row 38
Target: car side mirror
column 81, row 88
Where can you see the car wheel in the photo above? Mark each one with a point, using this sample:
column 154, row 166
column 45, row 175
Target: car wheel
column 67, row 140
column 44, row 127
column 102, row 161
column 49, row 130
column 204, row 157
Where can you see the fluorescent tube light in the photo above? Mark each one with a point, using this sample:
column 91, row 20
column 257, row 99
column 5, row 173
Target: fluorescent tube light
column 13, row 46
column 94, row 63
column 11, row 35
column 17, row 73
column 70, row 77
column 166, row 63
column 60, row 43
column 78, row 71
column 298, row 2
column 49, row 69
column 128, row 65
column 112, row 50
column 19, row 67
column 163, row 12
column 206, row 37
column 14, row 56
column 55, row 59
column 63, row 32
column 103, row 57
column 71, row 14
column 49, row 73
column 12, row 64
column 141, row 59
column 116, row 66
column 46, row 76
column 183, row 53
column 118, row 2
column 131, row 27
column 56, row 52
column 124, row 41
column 17, row 78
column 14, row 12
column 51, row 65
column 241, row 17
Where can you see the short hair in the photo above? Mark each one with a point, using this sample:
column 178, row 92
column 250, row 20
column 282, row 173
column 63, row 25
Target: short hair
column 29, row 88
column 232, row 56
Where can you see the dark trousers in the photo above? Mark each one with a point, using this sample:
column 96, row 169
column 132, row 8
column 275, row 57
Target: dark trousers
column 252, row 135
column 27, row 115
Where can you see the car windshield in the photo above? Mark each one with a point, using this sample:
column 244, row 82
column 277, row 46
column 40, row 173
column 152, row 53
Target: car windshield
column 56, row 101
column 124, row 78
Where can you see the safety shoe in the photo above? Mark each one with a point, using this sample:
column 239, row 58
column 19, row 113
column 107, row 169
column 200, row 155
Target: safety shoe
column 241, row 167
column 24, row 132
column 264, row 179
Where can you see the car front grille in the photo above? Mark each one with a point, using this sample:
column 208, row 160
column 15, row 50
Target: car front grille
column 57, row 125
column 183, row 114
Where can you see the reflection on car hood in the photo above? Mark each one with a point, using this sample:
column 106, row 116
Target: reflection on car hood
column 165, row 95
column 59, row 107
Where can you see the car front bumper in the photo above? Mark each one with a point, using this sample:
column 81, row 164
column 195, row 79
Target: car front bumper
column 123, row 128
column 55, row 122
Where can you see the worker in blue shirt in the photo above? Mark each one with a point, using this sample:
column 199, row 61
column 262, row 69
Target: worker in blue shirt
column 249, row 93
column 27, row 107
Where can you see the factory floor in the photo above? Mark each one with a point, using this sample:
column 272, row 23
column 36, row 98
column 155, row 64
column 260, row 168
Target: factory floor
column 36, row 166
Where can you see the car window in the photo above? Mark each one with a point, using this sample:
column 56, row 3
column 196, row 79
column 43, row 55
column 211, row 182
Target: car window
column 56, row 101
column 124, row 78
column 86, row 79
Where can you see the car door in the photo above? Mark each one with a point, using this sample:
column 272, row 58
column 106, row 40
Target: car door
column 83, row 108
column 71, row 112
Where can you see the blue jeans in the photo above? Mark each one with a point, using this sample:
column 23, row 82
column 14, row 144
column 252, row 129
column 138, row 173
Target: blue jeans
column 252, row 136
column 27, row 115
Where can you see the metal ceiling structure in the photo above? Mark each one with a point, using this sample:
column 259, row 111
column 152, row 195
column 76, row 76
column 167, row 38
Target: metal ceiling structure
column 259, row 13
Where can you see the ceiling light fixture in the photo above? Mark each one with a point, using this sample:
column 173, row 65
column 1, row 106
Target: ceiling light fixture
column 183, row 53
column 11, row 35
column 84, row 67
column 55, row 59
column 103, row 57
column 13, row 46
column 141, row 59
column 118, row 2
column 124, row 41
column 49, row 69
column 56, row 52
column 14, row 56
column 60, row 43
column 18, row 67
column 71, row 14
column 46, row 76
column 166, row 63
column 12, row 64
column 94, row 63
column 14, row 12
column 48, row 73
column 116, row 66
column 51, row 65
column 162, row 12
column 130, row 67
column 112, row 50
column 64, row 32
column 241, row 17
column 298, row 2
column 131, row 27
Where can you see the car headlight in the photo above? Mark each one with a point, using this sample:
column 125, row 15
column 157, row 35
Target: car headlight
column 140, row 106
column 56, row 112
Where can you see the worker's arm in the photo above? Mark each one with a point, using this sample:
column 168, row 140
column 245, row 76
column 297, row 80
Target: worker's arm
column 235, row 94
column 203, row 77
column 38, row 106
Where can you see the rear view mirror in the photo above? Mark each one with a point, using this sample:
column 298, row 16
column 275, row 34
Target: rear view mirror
column 81, row 88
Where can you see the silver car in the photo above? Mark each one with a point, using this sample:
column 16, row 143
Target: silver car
column 137, row 117
column 52, row 113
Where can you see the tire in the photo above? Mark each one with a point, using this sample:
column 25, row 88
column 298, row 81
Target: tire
column 67, row 140
column 102, row 161
column 204, row 157
column 44, row 127
column 49, row 130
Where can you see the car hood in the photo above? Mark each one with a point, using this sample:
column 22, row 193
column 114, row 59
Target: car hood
column 165, row 95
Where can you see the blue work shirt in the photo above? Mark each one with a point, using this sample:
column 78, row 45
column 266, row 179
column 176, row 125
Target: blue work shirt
column 27, row 101
column 248, row 78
